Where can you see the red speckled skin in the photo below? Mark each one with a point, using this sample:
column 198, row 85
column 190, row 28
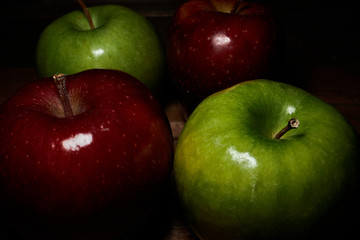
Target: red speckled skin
column 210, row 49
column 108, row 161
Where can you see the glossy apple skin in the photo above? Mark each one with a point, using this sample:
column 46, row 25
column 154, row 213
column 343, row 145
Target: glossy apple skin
column 210, row 49
column 238, row 182
column 122, row 40
column 97, row 173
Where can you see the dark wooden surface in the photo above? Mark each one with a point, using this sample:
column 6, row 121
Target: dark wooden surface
column 322, row 58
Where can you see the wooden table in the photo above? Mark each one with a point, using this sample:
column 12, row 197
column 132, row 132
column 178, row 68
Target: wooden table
column 322, row 58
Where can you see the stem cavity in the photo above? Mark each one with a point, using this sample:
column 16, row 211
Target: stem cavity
column 292, row 124
column 60, row 82
column 87, row 13
column 238, row 7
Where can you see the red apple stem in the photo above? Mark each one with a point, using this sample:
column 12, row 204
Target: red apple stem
column 292, row 124
column 60, row 81
column 87, row 13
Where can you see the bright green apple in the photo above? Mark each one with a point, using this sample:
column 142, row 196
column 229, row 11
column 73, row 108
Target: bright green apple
column 122, row 40
column 236, row 180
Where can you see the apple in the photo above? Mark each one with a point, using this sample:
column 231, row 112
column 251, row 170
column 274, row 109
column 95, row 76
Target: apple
column 214, row 44
column 120, row 39
column 88, row 156
column 242, row 173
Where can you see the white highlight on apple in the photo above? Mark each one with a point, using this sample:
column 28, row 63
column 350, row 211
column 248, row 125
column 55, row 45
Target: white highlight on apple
column 290, row 109
column 98, row 52
column 242, row 157
column 221, row 39
column 78, row 141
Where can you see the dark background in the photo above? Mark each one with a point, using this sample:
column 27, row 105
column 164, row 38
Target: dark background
column 318, row 32
column 322, row 56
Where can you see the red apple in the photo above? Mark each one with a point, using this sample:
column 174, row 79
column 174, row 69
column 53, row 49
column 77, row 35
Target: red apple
column 214, row 44
column 98, row 169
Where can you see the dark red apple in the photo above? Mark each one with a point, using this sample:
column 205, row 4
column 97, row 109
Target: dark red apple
column 214, row 44
column 93, row 172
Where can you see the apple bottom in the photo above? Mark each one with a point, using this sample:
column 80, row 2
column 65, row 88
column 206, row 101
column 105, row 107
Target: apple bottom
column 119, row 220
column 342, row 221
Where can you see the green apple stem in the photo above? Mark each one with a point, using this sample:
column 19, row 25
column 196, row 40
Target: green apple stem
column 293, row 123
column 238, row 7
column 60, row 81
column 87, row 14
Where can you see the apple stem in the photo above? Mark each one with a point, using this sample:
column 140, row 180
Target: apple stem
column 87, row 14
column 60, row 80
column 292, row 124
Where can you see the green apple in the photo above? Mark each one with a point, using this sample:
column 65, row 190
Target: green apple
column 238, row 178
column 122, row 39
